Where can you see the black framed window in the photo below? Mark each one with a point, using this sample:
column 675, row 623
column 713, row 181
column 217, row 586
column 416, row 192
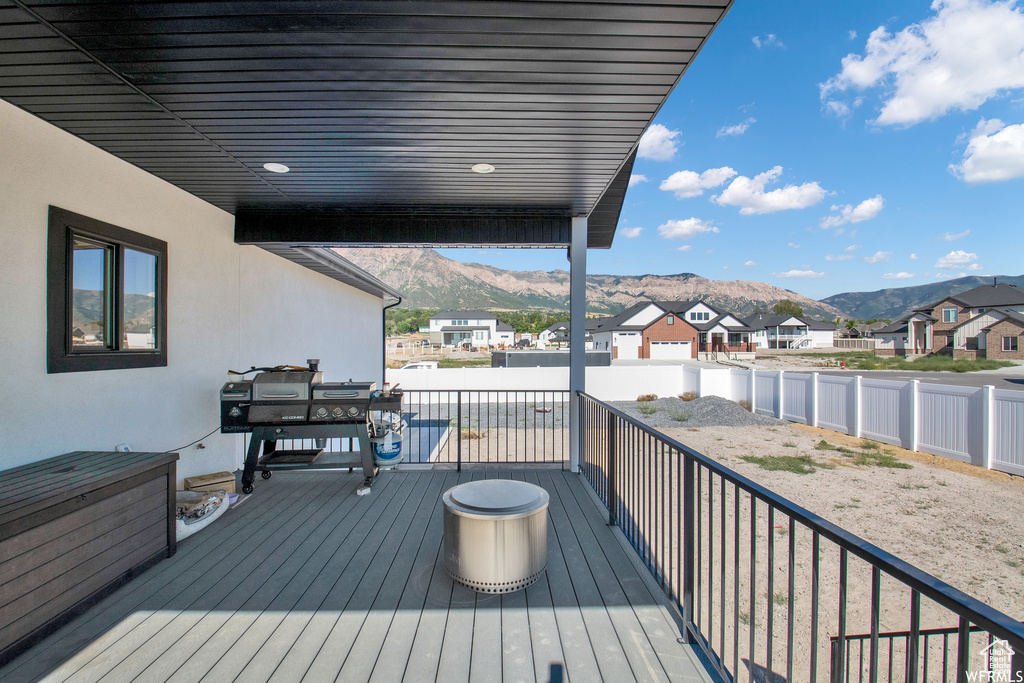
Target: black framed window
column 1010, row 344
column 106, row 296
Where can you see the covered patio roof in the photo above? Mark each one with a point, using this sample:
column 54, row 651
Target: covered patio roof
column 379, row 109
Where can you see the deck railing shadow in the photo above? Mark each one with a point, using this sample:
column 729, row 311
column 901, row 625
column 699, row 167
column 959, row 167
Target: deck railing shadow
column 766, row 589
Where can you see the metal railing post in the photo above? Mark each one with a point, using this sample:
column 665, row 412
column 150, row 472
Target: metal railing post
column 613, row 502
column 458, row 426
column 688, row 543
column 835, row 671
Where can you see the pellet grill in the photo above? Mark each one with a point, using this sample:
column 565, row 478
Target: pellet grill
column 289, row 403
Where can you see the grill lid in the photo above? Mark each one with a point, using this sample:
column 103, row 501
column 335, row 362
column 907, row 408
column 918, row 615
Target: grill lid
column 277, row 386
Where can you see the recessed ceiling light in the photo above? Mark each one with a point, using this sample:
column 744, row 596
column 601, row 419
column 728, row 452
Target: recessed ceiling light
column 276, row 168
column 483, row 168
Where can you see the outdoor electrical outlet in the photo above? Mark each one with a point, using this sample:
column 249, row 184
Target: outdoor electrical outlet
column 123, row 448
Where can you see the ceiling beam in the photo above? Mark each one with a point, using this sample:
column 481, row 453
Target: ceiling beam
column 403, row 227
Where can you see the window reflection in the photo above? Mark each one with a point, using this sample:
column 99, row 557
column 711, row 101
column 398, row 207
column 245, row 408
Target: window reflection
column 90, row 301
column 139, row 302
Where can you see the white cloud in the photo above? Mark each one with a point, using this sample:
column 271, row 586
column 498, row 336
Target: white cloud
column 749, row 194
column 685, row 184
column 768, row 41
column 725, row 267
column 685, row 247
column 841, row 257
column 799, row 273
column 967, row 53
column 792, row 246
column 958, row 259
column 948, row 237
column 878, row 257
column 750, row 263
column 897, row 276
column 738, row 129
column 630, row 232
column 658, row 143
column 636, row 179
column 853, row 35
column 840, row 110
column 852, row 247
column 914, row 257
column 995, row 153
column 682, row 229
column 865, row 211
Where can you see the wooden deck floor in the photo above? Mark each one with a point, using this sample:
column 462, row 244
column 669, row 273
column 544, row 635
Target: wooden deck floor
column 307, row 581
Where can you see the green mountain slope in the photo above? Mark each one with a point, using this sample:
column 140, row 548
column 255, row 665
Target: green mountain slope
column 897, row 302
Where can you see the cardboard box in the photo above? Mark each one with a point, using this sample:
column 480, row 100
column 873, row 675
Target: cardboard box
column 218, row 481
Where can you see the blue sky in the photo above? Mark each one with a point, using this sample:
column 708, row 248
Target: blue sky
column 831, row 147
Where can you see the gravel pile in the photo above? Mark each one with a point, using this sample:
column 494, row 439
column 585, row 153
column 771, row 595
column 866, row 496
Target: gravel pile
column 709, row 411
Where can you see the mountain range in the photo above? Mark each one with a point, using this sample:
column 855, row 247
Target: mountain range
column 895, row 303
column 426, row 279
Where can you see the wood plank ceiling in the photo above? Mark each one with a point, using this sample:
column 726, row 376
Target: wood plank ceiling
column 378, row 108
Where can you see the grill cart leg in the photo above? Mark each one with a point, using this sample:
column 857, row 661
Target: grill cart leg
column 369, row 470
column 251, row 457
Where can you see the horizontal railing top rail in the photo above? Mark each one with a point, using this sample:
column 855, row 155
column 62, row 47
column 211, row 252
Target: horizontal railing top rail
column 923, row 633
column 927, row 585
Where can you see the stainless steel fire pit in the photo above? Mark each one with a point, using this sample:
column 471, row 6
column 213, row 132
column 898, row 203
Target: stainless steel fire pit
column 495, row 534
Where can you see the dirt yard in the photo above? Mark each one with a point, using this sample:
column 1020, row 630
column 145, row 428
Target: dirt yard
column 960, row 523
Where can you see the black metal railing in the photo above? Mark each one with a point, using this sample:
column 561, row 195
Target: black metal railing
column 765, row 587
column 933, row 645
column 480, row 426
column 472, row 427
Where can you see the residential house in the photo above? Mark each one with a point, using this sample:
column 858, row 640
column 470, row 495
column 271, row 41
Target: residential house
column 978, row 323
column 892, row 339
column 556, row 333
column 670, row 330
column 774, row 331
column 864, row 330
column 479, row 328
column 725, row 333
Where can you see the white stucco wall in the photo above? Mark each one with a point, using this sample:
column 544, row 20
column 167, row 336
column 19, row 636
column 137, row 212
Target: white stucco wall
column 229, row 307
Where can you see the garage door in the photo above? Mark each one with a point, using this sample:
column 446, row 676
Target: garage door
column 670, row 350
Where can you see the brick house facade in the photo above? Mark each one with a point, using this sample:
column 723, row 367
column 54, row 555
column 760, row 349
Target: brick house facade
column 994, row 340
column 661, row 330
column 942, row 332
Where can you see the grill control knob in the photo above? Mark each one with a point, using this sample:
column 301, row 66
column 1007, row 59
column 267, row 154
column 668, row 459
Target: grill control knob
column 353, row 410
column 337, row 412
column 321, row 412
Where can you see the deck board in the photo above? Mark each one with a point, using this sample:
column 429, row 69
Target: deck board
column 104, row 624
column 307, row 581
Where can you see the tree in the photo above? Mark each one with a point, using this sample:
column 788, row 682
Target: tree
column 787, row 307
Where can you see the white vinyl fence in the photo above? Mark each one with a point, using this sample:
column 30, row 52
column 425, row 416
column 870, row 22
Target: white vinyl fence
column 980, row 425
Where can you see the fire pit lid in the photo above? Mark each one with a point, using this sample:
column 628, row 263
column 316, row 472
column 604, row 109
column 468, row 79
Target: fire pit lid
column 498, row 496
